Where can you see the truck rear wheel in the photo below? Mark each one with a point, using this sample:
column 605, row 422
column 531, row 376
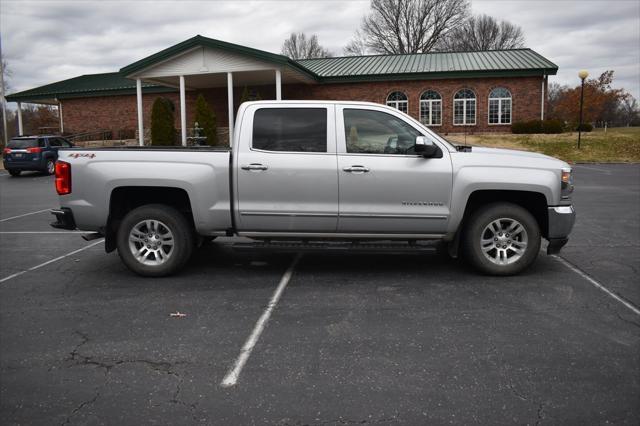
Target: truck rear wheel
column 155, row 240
column 501, row 239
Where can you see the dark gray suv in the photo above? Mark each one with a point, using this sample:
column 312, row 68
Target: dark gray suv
column 33, row 153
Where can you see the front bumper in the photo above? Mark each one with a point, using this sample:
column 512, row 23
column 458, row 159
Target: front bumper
column 561, row 220
column 64, row 219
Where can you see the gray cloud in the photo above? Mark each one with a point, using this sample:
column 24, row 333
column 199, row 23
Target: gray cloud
column 46, row 41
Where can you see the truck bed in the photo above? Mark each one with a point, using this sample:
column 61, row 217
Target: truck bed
column 201, row 172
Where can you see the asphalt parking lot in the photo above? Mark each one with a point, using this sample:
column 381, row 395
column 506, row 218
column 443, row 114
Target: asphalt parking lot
column 409, row 339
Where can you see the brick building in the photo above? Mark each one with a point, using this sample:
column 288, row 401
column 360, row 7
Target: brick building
column 449, row 92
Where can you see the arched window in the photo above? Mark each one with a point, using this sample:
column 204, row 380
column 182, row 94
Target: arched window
column 464, row 108
column 500, row 106
column 399, row 101
column 431, row 108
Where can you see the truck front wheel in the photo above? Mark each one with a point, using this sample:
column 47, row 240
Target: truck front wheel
column 501, row 239
column 155, row 240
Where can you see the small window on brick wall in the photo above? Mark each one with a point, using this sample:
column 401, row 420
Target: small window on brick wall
column 464, row 108
column 500, row 106
column 431, row 108
column 399, row 101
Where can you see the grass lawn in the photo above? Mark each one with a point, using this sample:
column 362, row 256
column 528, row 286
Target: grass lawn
column 620, row 144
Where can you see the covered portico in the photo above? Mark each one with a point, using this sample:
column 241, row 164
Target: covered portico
column 50, row 102
column 203, row 63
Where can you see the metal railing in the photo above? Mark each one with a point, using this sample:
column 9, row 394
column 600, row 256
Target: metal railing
column 96, row 135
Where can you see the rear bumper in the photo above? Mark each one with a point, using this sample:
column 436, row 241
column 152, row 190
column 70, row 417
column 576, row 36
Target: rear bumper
column 64, row 218
column 561, row 220
column 38, row 164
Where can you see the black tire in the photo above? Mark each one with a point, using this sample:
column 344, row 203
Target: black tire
column 49, row 166
column 14, row 173
column 171, row 219
column 475, row 231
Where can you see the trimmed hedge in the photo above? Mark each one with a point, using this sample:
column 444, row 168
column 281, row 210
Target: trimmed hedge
column 163, row 131
column 206, row 119
column 538, row 126
column 586, row 127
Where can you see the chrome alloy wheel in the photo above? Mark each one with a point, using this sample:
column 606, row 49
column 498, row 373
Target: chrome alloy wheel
column 504, row 241
column 151, row 242
column 51, row 167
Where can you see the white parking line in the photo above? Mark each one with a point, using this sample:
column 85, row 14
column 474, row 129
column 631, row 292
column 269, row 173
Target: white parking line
column 232, row 376
column 23, row 215
column 17, row 274
column 584, row 275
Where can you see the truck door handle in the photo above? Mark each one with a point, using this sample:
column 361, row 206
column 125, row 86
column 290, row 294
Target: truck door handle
column 356, row 169
column 254, row 166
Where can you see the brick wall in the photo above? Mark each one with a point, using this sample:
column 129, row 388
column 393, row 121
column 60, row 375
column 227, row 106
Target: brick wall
column 525, row 94
column 119, row 112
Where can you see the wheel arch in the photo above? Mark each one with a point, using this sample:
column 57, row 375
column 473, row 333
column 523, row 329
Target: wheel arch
column 534, row 202
column 123, row 199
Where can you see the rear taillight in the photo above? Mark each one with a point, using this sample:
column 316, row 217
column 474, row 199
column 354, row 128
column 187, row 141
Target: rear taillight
column 7, row 150
column 35, row 150
column 63, row 178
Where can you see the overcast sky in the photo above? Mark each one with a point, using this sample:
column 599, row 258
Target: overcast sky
column 47, row 41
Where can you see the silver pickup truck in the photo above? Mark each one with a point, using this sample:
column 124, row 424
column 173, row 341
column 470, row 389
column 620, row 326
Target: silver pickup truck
column 306, row 172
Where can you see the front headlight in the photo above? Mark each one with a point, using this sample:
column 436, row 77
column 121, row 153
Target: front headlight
column 566, row 183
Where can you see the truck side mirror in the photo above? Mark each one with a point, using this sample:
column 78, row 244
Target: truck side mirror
column 425, row 147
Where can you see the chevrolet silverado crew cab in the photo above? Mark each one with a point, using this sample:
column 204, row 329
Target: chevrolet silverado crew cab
column 303, row 171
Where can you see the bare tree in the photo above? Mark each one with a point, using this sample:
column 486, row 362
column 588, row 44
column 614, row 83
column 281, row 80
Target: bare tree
column 629, row 111
column 410, row 26
column 483, row 32
column 298, row 46
column 6, row 76
column 555, row 91
column 357, row 46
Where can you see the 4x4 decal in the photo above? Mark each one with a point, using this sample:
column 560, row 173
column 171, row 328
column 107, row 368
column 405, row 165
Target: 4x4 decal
column 76, row 155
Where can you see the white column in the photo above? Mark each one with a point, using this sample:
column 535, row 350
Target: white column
column 20, row 131
column 230, row 105
column 60, row 117
column 542, row 100
column 183, row 112
column 140, row 112
column 278, row 85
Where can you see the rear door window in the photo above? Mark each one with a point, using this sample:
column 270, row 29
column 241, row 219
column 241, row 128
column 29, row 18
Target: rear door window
column 23, row 143
column 55, row 142
column 290, row 129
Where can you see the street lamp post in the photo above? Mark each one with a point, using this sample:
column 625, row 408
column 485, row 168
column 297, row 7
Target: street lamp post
column 583, row 74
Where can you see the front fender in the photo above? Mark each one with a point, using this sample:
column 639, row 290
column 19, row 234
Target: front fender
column 478, row 178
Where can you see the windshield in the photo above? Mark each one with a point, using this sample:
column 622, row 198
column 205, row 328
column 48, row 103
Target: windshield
column 22, row 143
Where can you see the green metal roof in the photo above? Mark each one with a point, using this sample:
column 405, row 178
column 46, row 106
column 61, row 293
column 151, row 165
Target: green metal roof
column 515, row 62
column 112, row 83
column 431, row 65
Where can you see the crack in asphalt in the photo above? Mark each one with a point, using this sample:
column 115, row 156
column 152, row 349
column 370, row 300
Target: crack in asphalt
column 540, row 414
column 515, row 392
column 627, row 321
column 80, row 407
column 395, row 418
column 78, row 359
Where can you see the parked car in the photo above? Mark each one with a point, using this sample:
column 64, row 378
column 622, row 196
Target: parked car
column 306, row 171
column 37, row 153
